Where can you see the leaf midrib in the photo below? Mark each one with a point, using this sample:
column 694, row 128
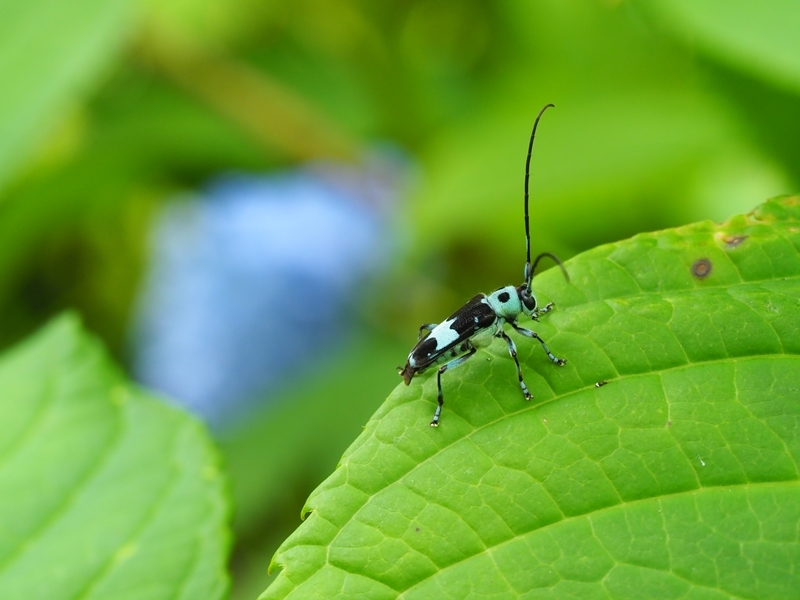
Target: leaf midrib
column 149, row 515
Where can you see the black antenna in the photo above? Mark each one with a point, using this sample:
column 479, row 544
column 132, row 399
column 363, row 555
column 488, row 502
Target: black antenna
column 528, row 269
column 555, row 260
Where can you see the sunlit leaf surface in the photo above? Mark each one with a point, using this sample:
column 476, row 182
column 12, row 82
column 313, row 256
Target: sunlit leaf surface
column 105, row 492
column 676, row 479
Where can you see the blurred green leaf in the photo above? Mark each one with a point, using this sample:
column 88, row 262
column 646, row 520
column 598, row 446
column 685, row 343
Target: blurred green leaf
column 580, row 189
column 105, row 492
column 679, row 478
column 638, row 142
column 760, row 39
column 50, row 53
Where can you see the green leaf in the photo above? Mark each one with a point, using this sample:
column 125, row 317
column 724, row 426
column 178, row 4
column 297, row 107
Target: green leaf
column 105, row 492
column 677, row 479
column 759, row 39
column 50, row 52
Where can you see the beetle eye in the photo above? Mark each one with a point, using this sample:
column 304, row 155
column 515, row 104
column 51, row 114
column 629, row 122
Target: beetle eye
column 528, row 299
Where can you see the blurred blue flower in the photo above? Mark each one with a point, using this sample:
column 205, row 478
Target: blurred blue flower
column 254, row 279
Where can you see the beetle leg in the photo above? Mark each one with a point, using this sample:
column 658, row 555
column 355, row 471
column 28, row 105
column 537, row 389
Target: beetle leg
column 532, row 334
column 456, row 362
column 512, row 350
column 546, row 308
column 426, row 327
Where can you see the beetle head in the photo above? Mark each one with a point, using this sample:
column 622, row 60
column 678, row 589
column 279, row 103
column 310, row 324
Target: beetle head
column 527, row 299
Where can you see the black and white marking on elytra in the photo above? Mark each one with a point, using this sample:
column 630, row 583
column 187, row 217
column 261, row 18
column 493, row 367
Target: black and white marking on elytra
column 457, row 339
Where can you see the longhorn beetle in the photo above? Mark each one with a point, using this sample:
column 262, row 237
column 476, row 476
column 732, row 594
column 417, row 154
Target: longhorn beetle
column 472, row 326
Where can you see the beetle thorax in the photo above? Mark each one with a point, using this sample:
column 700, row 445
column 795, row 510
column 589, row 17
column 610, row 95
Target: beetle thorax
column 505, row 302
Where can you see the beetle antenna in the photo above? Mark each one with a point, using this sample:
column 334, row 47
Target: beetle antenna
column 555, row 259
column 528, row 269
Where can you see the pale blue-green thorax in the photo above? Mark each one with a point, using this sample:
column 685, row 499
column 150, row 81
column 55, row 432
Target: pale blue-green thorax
column 509, row 302
column 505, row 302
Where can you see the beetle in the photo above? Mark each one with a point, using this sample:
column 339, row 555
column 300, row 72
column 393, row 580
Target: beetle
column 454, row 341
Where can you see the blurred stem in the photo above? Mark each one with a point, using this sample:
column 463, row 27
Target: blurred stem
column 276, row 116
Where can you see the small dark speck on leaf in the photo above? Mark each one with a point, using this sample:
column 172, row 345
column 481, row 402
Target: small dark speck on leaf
column 416, row 529
column 734, row 240
column 601, row 383
column 701, row 268
column 669, row 423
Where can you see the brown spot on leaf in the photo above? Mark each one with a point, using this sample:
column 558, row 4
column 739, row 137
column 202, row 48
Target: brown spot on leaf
column 701, row 268
column 731, row 241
